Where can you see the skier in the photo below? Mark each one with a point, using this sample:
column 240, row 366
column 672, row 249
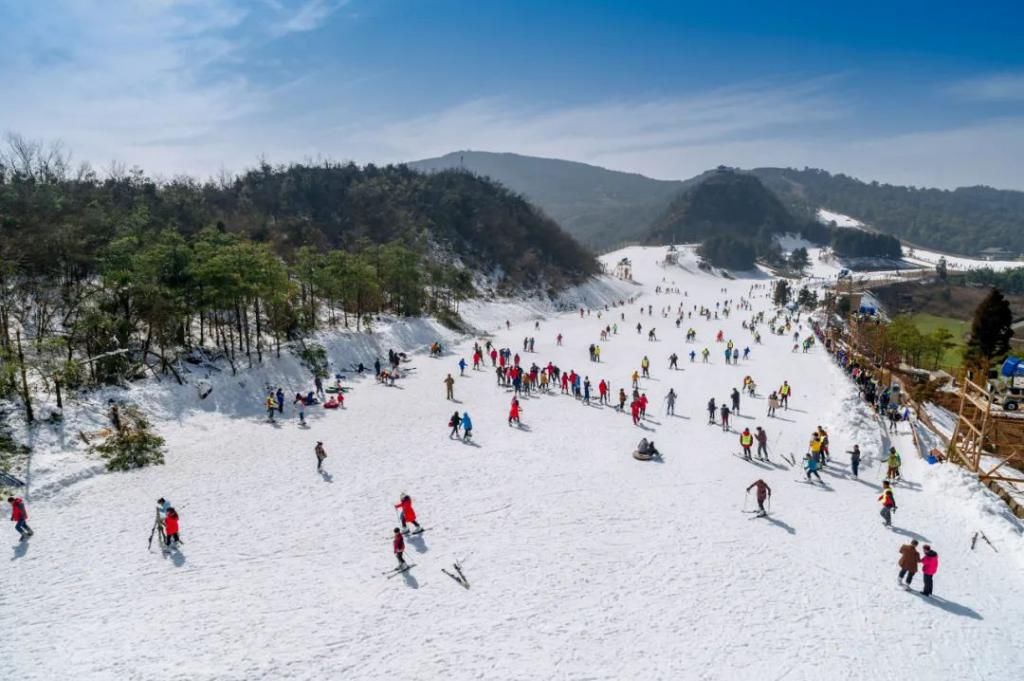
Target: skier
column 171, row 527
column 693, row 355
column 673, row 361
column 271, row 407
column 670, row 400
column 19, row 516
column 893, row 462
column 762, row 443
column 398, row 545
column 645, row 364
column 763, row 492
column 773, row 404
column 724, row 411
column 811, row 466
column 320, row 454
column 513, row 412
column 735, row 401
column 888, row 504
column 909, row 558
column 784, row 392
column 467, row 427
column 634, row 409
column 454, row 422
column 854, row 459
column 636, row 379
column 462, row 366
column 712, row 410
column 558, row 340
column 746, row 442
column 407, row 514
column 449, row 383
column 929, row 566
column 622, row 400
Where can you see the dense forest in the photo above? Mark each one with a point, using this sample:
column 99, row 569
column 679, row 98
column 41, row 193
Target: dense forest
column 964, row 220
column 856, row 243
column 101, row 277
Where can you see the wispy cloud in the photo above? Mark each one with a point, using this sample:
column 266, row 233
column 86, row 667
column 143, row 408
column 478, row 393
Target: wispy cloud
column 310, row 16
column 1000, row 87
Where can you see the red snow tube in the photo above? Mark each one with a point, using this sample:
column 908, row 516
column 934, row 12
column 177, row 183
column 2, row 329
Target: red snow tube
column 331, row 404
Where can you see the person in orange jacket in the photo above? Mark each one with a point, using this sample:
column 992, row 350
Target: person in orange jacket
column 408, row 514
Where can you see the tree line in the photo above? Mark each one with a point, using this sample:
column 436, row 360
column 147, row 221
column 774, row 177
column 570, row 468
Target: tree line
column 102, row 278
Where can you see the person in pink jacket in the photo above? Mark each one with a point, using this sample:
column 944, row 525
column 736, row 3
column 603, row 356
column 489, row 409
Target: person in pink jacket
column 929, row 566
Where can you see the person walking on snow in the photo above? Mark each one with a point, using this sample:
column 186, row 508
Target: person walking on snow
column 300, row 404
column 673, row 361
column 773, row 404
column 454, row 422
column 762, row 443
column 763, row 492
column 467, row 427
column 513, row 412
column 398, row 546
column 449, row 384
column 724, row 412
column 712, row 411
column 462, row 366
column 929, row 566
column 693, row 355
column 670, row 401
column 407, row 514
column 645, row 364
column 622, row 400
column 271, row 405
column 634, row 410
column 19, row 516
column 746, row 442
column 854, row 459
column 280, row 401
column 320, row 454
column 735, row 401
column 888, row 504
column 909, row 558
column 784, row 392
column 171, row 527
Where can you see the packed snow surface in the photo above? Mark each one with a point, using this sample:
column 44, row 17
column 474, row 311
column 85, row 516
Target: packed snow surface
column 583, row 563
column 828, row 216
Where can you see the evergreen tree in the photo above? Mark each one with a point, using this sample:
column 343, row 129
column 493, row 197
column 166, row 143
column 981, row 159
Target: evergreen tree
column 781, row 293
column 798, row 260
column 991, row 329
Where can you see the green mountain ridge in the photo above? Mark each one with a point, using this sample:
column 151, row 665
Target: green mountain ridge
column 604, row 208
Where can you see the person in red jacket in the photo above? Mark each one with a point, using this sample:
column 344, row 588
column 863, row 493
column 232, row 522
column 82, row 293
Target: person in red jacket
column 398, row 544
column 19, row 515
column 929, row 566
column 408, row 514
column 171, row 526
column 643, row 405
column 634, row 409
column 602, row 390
column 513, row 412
column 494, row 357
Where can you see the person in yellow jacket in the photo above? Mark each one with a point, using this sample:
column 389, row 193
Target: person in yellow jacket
column 893, row 462
column 636, row 379
column 784, row 393
column 815, row 447
column 823, row 436
column 271, row 404
column 746, row 441
column 645, row 364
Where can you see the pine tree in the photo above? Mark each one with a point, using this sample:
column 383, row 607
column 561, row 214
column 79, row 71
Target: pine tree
column 781, row 292
column 991, row 329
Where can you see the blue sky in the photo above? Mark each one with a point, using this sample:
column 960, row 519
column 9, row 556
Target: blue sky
column 907, row 92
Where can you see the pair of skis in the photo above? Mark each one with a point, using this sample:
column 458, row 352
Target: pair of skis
column 459, row 577
column 974, row 541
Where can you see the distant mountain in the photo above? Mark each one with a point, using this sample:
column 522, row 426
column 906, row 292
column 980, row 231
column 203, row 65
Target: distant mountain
column 600, row 208
column 603, row 208
column 967, row 220
column 724, row 202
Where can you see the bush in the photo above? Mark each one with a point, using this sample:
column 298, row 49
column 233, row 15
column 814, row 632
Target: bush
column 314, row 358
column 134, row 445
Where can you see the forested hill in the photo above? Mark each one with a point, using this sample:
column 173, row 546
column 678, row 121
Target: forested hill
column 59, row 225
column 725, row 202
column 964, row 220
column 599, row 207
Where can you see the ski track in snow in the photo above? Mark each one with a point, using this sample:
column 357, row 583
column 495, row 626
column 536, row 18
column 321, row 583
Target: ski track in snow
column 583, row 562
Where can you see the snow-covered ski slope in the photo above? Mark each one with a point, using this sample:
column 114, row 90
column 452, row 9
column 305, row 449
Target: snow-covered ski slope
column 583, row 563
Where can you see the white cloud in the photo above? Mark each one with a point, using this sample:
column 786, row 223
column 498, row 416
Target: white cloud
column 310, row 16
column 1001, row 87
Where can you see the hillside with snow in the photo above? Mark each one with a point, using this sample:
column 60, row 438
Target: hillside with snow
column 582, row 562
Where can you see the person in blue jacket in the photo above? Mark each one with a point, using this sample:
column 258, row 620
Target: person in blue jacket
column 467, row 426
column 812, row 468
column 280, row 400
column 462, row 366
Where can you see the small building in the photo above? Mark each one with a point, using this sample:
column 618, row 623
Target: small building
column 624, row 269
column 996, row 253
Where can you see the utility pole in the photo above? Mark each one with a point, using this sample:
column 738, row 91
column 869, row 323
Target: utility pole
column 24, row 380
